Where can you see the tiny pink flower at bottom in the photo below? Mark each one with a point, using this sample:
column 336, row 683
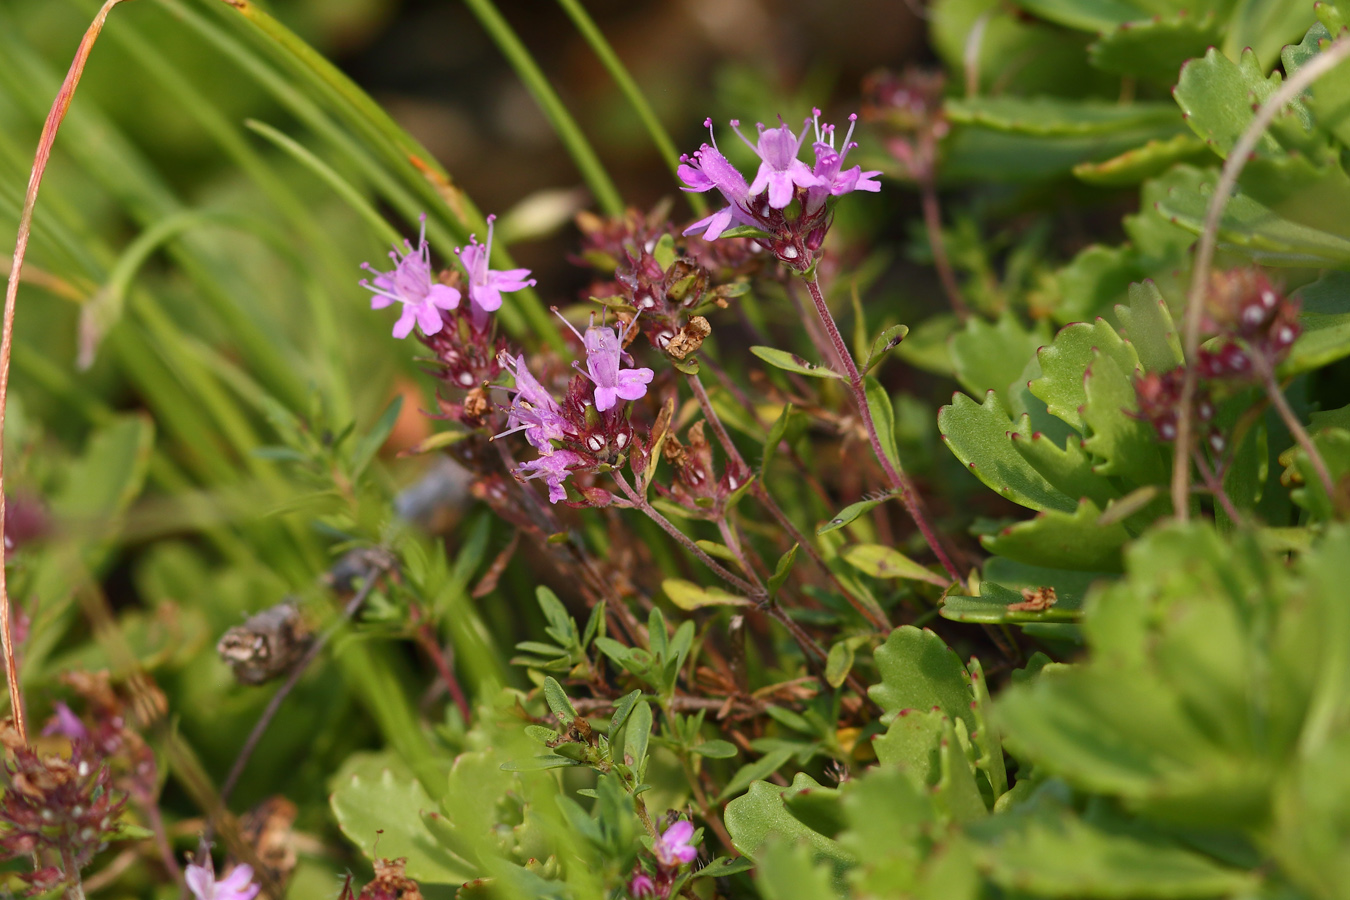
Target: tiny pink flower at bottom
column 641, row 887
column 554, row 469
column 674, row 847
column 66, row 723
column 238, row 885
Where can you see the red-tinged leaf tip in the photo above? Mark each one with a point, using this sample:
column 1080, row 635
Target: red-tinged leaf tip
column 973, row 705
column 1036, row 435
column 935, row 708
column 905, row 712
column 972, row 466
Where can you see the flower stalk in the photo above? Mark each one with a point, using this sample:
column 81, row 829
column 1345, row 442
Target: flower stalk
column 899, row 481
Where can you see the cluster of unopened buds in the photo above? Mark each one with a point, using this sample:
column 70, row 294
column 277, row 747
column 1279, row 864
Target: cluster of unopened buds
column 673, row 849
column 1254, row 326
column 60, row 809
column 787, row 200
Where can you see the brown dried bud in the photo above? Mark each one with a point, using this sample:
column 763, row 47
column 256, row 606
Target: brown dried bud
column 266, row 646
column 1035, row 599
column 391, row 882
column 690, row 338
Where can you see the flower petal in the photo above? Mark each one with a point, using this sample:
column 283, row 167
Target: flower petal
column 404, row 326
column 442, row 296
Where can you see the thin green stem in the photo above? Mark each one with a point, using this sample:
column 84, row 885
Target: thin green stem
column 908, row 496
column 640, row 502
column 536, row 82
column 610, row 60
column 761, row 492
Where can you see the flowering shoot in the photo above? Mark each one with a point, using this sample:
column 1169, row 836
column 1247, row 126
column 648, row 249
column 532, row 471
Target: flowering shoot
column 411, row 283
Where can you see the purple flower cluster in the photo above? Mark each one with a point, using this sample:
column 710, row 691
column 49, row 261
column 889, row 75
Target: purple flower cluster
column 782, row 177
column 588, row 428
column 674, row 848
column 412, row 284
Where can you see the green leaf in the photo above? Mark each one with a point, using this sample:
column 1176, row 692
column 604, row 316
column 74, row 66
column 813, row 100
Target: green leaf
column 1218, row 95
column 1052, row 116
column 376, row 810
column 724, row 866
column 1126, row 444
column 980, row 438
column 782, row 570
column 991, row 608
column 851, row 512
column 558, row 702
column 887, row 341
column 1155, row 48
column 927, row 345
column 716, row 749
column 1054, row 853
column 1068, row 468
column 760, row 815
column 636, row 737
column 990, row 357
column 886, row 562
column 919, row 671
column 1325, row 319
column 1065, row 363
column 776, row 434
column 687, row 595
column 911, row 742
column 1056, row 539
column 791, row 362
column 883, row 418
column 839, row 662
column 1148, row 326
column 761, row 768
column 1254, row 229
column 1138, row 163
column 622, row 710
column 789, row 871
column 1085, row 15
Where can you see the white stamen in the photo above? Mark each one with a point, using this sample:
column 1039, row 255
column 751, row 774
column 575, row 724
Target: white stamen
column 789, row 253
column 596, row 443
column 621, row 440
column 466, row 378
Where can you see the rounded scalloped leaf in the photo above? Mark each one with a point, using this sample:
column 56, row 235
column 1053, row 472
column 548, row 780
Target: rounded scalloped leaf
column 1139, row 163
column 1254, row 229
column 1155, row 48
column 1063, row 540
column 979, row 436
column 1054, row 117
column 376, row 807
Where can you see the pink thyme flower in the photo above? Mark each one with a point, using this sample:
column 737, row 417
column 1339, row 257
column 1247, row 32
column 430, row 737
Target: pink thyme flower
column 674, row 847
column 238, row 885
column 66, row 724
column 486, row 285
column 833, row 179
column 604, row 347
column 533, row 410
column 411, row 284
column 705, row 170
column 553, row 468
column 641, row 887
column 779, row 170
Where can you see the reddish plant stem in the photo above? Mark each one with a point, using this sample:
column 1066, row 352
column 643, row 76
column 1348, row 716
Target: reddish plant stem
column 1330, row 57
column 908, row 496
column 50, row 127
column 932, row 221
column 1301, row 436
column 427, row 638
column 1215, row 485
column 761, row 493
column 640, row 502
